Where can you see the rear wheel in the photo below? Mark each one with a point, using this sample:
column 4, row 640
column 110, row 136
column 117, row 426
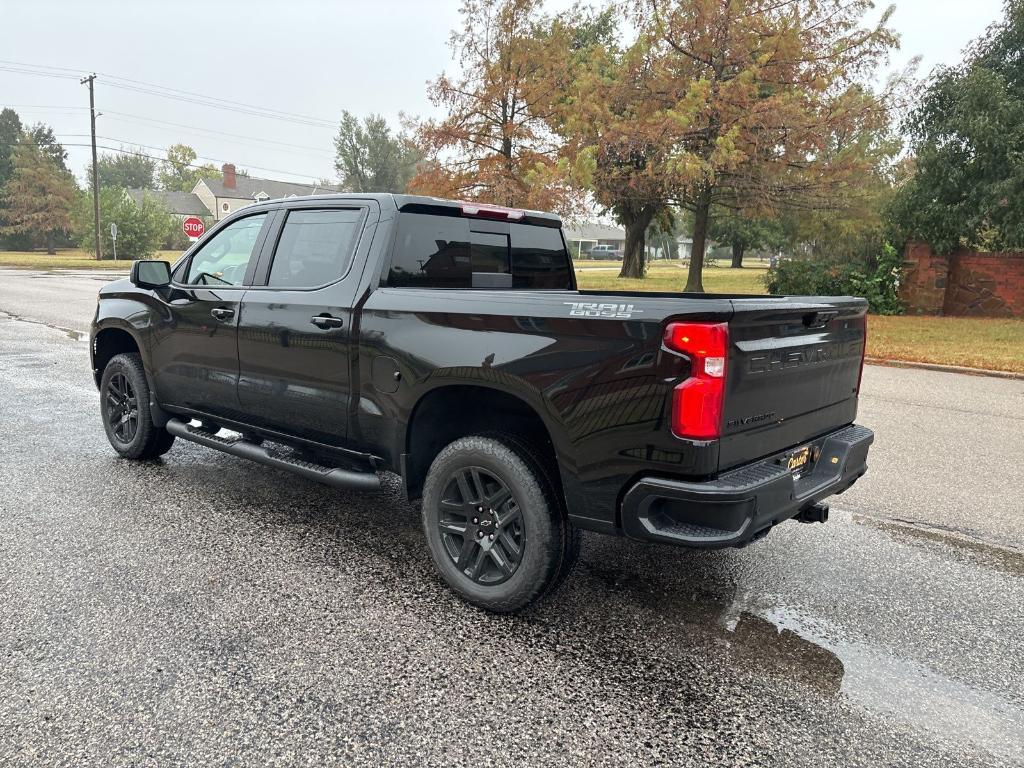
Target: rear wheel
column 124, row 406
column 494, row 524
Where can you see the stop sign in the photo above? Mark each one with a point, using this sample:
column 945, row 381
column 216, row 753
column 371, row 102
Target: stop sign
column 193, row 226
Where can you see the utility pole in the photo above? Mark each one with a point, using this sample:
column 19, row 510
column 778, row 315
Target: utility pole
column 95, row 167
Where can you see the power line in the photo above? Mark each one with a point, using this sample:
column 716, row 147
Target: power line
column 130, row 118
column 143, row 87
column 314, row 123
column 23, row 71
column 230, row 102
column 152, row 89
column 123, row 151
column 199, row 157
column 127, row 117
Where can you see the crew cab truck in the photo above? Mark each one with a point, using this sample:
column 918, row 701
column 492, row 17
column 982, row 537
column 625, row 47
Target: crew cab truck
column 340, row 336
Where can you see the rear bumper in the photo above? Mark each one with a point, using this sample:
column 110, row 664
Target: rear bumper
column 744, row 503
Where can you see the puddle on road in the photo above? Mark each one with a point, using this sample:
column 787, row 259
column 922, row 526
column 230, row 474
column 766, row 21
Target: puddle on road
column 743, row 633
column 913, row 693
column 783, row 643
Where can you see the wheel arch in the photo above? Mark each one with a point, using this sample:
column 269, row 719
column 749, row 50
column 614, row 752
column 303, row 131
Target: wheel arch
column 108, row 341
column 447, row 412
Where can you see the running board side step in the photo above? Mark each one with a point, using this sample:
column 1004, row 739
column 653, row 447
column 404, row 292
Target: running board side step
column 239, row 446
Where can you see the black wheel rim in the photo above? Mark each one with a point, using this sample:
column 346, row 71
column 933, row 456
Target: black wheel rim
column 122, row 408
column 481, row 526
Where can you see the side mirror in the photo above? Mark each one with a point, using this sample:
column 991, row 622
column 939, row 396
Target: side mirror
column 151, row 274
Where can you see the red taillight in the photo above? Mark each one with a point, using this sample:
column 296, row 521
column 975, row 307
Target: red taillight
column 482, row 210
column 697, row 402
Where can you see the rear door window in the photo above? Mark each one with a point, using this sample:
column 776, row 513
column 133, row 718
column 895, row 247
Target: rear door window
column 442, row 252
column 315, row 247
column 431, row 252
column 539, row 258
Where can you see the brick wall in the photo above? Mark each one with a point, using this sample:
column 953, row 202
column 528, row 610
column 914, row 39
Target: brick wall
column 963, row 283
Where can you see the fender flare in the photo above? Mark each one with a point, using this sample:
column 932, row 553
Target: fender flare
column 117, row 323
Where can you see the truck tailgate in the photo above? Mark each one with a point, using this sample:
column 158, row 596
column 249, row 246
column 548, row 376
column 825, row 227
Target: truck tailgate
column 793, row 373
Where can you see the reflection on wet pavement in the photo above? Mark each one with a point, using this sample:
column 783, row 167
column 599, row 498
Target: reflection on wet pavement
column 750, row 630
column 742, row 637
column 910, row 691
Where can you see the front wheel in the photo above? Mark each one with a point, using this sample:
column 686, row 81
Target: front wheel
column 493, row 523
column 124, row 406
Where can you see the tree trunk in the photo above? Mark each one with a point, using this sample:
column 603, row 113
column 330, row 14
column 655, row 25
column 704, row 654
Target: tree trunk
column 633, row 254
column 636, row 222
column 50, row 249
column 694, row 283
column 737, row 255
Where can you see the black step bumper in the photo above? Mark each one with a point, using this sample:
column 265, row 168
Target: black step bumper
column 744, row 503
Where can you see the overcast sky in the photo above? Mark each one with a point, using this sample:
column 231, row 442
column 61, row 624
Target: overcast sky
column 308, row 58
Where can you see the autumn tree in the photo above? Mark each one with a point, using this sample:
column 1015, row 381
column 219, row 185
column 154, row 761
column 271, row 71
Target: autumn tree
column 596, row 101
column 494, row 144
column 370, row 157
column 755, row 105
column 179, row 171
column 38, row 198
column 771, row 102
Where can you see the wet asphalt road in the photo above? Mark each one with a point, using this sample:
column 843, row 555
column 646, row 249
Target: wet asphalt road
column 202, row 610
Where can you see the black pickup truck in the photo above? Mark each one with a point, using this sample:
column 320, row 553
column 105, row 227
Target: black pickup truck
column 340, row 336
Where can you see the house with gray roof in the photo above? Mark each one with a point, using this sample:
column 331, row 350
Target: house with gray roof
column 233, row 191
column 583, row 236
column 179, row 204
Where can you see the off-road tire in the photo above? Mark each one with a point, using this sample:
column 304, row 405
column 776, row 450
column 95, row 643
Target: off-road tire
column 572, row 537
column 146, row 440
column 548, row 540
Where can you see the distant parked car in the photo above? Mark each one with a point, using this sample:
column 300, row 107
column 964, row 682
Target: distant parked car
column 606, row 252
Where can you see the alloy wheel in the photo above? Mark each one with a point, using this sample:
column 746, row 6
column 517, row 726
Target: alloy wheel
column 122, row 408
column 481, row 526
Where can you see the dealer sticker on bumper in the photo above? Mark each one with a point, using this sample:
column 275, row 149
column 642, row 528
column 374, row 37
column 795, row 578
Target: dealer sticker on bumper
column 799, row 458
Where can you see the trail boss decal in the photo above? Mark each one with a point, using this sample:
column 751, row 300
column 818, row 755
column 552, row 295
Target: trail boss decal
column 593, row 309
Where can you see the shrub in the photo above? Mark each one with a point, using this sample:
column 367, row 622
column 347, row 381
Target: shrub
column 872, row 274
column 140, row 228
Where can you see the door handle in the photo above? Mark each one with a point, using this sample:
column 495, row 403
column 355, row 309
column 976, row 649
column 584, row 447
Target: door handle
column 222, row 313
column 325, row 322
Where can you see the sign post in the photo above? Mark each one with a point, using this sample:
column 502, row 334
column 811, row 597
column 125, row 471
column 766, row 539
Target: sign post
column 193, row 227
column 113, row 238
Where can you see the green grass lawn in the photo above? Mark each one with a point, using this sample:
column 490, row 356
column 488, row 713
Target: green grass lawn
column 668, row 276
column 70, row 259
column 974, row 342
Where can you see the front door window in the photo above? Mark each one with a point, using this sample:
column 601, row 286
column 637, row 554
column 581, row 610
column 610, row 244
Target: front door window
column 224, row 260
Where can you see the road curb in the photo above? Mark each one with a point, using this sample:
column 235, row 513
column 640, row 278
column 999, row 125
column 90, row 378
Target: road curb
column 945, row 368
